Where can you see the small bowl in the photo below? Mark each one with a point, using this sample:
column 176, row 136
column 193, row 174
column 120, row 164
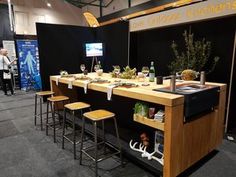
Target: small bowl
column 99, row 72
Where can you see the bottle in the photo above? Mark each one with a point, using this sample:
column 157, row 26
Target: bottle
column 99, row 64
column 152, row 72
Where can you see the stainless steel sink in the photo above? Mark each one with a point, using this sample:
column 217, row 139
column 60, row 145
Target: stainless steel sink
column 186, row 88
column 190, row 88
column 197, row 98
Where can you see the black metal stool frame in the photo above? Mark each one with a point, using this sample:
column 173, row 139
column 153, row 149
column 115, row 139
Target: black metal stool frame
column 95, row 159
column 36, row 115
column 52, row 106
column 73, row 127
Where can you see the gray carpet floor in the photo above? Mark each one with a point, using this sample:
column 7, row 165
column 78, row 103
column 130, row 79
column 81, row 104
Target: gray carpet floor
column 25, row 151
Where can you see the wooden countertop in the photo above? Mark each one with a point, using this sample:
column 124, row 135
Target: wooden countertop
column 144, row 93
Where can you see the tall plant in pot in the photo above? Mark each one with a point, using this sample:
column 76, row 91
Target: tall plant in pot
column 195, row 58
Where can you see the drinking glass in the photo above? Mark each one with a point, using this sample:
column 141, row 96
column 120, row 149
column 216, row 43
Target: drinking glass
column 82, row 67
column 96, row 67
column 145, row 71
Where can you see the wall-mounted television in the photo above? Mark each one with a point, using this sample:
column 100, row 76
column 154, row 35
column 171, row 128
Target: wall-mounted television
column 94, row 49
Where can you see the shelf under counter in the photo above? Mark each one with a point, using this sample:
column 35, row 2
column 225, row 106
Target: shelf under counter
column 149, row 122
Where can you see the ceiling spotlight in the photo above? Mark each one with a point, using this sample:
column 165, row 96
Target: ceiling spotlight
column 49, row 4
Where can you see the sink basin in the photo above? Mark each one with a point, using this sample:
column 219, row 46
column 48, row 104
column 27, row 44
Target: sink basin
column 197, row 98
column 190, row 88
column 186, row 88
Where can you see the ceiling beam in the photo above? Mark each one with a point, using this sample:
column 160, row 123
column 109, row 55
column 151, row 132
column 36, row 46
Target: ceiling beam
column 138, row 13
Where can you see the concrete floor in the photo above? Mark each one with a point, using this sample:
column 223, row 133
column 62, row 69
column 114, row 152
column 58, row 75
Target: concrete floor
column 25, row 151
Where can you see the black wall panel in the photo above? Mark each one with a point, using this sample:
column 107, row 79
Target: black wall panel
column 154, row 45
column 61, row 48
column 5, row 31
column 115, row 38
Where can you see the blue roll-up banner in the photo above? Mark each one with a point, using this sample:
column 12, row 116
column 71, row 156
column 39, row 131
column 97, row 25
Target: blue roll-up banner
column 29, row 64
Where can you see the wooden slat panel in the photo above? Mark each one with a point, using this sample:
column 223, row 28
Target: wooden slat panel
column 199, row 138
column 173, row 140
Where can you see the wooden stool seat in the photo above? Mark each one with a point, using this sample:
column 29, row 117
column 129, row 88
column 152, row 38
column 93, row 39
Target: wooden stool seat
column 58, row 98
column 77, row 106
column 98, row 115
column 44, row 93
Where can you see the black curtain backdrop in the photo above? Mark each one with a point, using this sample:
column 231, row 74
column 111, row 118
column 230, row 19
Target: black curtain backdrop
column 5, row 31
column 115, row 38
column 154, row 45
column 61, row 47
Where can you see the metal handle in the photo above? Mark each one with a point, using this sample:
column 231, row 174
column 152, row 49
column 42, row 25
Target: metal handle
column 172, row 83
column 202, row 78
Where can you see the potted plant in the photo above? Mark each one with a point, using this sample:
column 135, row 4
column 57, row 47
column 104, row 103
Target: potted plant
column 128, row 72
column 195, row 57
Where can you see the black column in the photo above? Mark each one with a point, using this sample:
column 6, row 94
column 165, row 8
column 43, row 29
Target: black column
column 100, row 5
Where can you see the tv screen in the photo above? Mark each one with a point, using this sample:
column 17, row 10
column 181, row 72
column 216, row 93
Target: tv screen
column 94, row 49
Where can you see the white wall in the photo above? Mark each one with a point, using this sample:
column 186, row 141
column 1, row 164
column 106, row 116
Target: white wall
column 28, row 12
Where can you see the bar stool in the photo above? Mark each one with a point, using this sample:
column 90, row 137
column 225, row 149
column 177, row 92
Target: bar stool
column 72, row 107
column 36, row 115
column 96, row 116
column 52, row 101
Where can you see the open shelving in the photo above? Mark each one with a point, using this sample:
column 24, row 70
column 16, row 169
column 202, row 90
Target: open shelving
column 149, row 122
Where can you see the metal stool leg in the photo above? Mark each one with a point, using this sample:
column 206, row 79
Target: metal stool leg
column 103, row 130
column 118, row 140
column 35, row 110
column 41, row 114
column 63, row 128
column 53, row 121
column 82, row 140
column 96, row 148
column 47, row 118
column 103, row 136
column 74, row 140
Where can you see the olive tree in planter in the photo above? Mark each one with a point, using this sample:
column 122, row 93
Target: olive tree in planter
column 193, row 59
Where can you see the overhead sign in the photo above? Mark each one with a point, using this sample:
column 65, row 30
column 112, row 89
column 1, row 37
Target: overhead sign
column 196, row 12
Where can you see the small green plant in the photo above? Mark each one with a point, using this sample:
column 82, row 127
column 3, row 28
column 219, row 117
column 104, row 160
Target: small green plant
column 195, row 57
column 128, row 73
column 141, row 108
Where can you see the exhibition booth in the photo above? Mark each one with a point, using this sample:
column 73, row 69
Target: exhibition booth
column 156, row 88
column 64, row 48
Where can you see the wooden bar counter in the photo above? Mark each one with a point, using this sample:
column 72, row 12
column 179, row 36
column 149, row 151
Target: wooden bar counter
column 185, row 143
